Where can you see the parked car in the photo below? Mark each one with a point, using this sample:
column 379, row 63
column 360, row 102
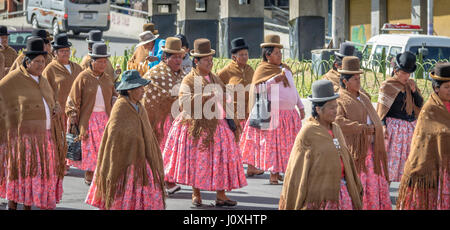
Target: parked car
column 387, row 46
column 18, row 39
column 69, row 15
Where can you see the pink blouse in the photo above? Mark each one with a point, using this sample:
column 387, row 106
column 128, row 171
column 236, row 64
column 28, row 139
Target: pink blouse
column 288, row 96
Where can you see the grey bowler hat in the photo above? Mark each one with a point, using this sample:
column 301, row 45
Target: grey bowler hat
column 99, row 50
column 322, row 90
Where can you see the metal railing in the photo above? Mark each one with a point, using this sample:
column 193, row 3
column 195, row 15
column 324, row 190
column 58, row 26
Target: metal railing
column 140, row 13
column 8, row 14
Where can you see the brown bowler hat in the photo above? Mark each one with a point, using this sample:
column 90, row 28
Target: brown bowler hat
column 202, row 48
column 350, row 65
column 150, row 27
column 441, row 71
column 173, row 46
column 271, row 40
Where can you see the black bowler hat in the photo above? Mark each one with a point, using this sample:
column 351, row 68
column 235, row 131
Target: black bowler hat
column 99, row 50
column 441, row 71
column 35, row 46
column 238, row 44
column 4, row 31
column 322, row 90
column 131, row 80
column 95, row 36
column 41, row 33
column 406, row 61
column 346, row 49
column 61, row 41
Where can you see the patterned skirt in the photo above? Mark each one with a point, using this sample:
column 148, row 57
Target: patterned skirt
column 345, row 201
column 434, row 200
column 167, row 126
column 149, row 197
column 269, row 150
column 398, row 145
column 38, row 191
column 90, row 147
column 219, row 168
column 376, row 187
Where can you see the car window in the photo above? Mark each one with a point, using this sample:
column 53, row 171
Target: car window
column 393, row 52
column 367, row 51
column 379, row 49
column 19, row 38
column 434, row 53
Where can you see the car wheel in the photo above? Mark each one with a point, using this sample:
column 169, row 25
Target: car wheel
column 34, row 22
column 55, row 27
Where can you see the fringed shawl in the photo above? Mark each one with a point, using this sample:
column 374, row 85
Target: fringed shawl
column 192, row 95
column 313, row 173
column 128, row 140
column 232, row 75
column 61, row 79
column 388, row 92
column 352, row 118
column 2, row 65
column 139, row 55
column 23, row 119
column 10, row 55
column 158, row 97
column 429, row 156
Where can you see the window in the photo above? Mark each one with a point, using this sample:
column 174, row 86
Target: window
column 19, row 38
column 88, row 1
column 367, row 51
column 164, row 8
column 434, row 52
column 393, row 52
column 244, row 2
column 380, row 51
column 200, row 5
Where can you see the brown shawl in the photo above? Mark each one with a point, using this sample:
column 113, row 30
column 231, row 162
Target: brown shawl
column 334, row 76
column 18, row 61
column 128, row 140
column 10, row 55
column 139, row 55
column 61, row 79
column 158, row 98
column 233, row 75
column 429, row 156
column 313, row 174
column 388, row 92
column 109, row 68
column 352, row 118
column 2, row 65
column 82, row 96
column 187, row 96
column 20, row 119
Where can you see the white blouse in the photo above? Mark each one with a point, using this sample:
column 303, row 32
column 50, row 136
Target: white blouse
column 47, row 109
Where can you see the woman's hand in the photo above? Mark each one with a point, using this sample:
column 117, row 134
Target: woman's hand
column 385, row 131
column 302, row 114
column 56, row 110
column 412, row 85
column 152, row 58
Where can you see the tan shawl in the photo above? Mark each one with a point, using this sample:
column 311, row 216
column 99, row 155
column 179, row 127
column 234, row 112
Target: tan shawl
column 109, row 68
column 139, row 55
column 429, row 156
column 388, row 92
column 158, row 98
column 187, row 95
column 352, row 118
column 18, row 61
column 313, row 174
column 128, row 140
column 334, row 76
column 233, row 75
column 82, row 96
column 10, row 55
column 61, row 79
column 20, row 119
column 2, row 65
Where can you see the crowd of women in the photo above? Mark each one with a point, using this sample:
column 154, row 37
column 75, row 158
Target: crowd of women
column 136, row 149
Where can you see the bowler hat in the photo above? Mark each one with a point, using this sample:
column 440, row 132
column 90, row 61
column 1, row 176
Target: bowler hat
column 271, row 40
column 346, row 49
column 95, row 36
column 61, row 41
column 441, row 71
column 150, row 27
column 3, row 31
column 406, row 61
column 146, row 37
column 42, row 34
column 35, row 46
column 238, row 44
column 350, row 65
column 322, row 90
column 173, row 46
column 202, row 48
column 131, row 80
column 99, row 50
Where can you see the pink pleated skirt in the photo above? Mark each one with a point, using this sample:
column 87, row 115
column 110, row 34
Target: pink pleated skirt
column 376, row 187
column 167, row 126
column 38, row 191
column 398, row 145
column 90, row 147
column 269, row 150
column 149, row 197
column 218, row 168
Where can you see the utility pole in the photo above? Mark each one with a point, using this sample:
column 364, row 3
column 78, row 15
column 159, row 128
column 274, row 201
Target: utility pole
column 430, row 17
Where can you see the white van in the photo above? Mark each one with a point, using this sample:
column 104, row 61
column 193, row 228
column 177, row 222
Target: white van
column 432, row 47
column 65, row 15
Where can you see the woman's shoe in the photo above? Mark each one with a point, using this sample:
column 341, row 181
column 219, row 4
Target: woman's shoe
column 222, row 203
column 280, row 177
column 254, row 173
column 196, row 201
